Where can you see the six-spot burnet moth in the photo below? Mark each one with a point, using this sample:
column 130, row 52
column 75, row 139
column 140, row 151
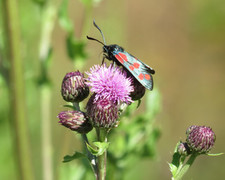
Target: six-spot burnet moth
column 141, row 71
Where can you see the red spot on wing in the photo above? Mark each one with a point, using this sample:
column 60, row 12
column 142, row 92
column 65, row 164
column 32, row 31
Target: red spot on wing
column 131, row 67
column 136, row 65
column 123, row 56
column 119, row 58
column 141, row 76
column 147, row 77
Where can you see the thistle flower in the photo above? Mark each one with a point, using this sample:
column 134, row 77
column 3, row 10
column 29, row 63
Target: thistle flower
column 109, row 83
column 102, row 113
column 200, row 139
column 76, row 121
column 74, row 88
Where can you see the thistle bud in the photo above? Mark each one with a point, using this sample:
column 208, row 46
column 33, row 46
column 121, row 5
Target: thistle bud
column 200, row 139
column 183, row 149
column 74, row 88
column 76, row 121
column 102, row 112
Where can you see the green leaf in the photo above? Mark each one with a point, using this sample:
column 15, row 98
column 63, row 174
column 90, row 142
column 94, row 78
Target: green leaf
column 101, row 148
column 217, row 154
column 176, row 159
column 176, row 156
column 91, row 149
column 76, row 155
column 173, row 168
column 64, row 19
column 75, row 48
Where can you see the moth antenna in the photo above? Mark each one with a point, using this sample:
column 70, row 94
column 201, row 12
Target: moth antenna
column 90, row 38
column 100, row 31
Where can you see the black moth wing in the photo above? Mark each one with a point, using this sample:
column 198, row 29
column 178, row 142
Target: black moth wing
column 141, row 71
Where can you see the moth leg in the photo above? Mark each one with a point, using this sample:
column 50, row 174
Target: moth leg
column 104, row 57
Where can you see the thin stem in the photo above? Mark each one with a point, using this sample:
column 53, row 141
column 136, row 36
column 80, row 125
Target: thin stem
column 102, row 137
column 185, row 168
column 91, row 157
column 48, row 20
column 45, row 99
column 77, row 106
column 17, row 90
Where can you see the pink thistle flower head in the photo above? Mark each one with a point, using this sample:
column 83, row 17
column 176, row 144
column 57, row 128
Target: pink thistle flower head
column 102, row 113
column 200, row 139
column 110, row 83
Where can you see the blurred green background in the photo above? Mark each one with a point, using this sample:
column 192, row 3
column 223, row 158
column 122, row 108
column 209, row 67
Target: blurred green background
column 184, row 41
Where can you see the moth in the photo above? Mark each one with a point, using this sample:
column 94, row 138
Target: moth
column 141, row 71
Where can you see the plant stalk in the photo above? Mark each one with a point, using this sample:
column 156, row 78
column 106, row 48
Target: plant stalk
column 91, row 157
column 185, row 168
column 45, row 100
column 48, row 21
column 102, row 137
column 17, row 90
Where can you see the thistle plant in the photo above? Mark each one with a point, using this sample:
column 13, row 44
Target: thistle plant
column 200, row 140
column 101, row 105
column 112, row 91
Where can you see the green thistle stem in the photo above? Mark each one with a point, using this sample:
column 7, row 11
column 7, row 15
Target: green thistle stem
column 185, row 168
column 76, row 106
column 102, row 137
column 46, row 139
column 48, row 20
column 17, row 89
column 91, row 157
